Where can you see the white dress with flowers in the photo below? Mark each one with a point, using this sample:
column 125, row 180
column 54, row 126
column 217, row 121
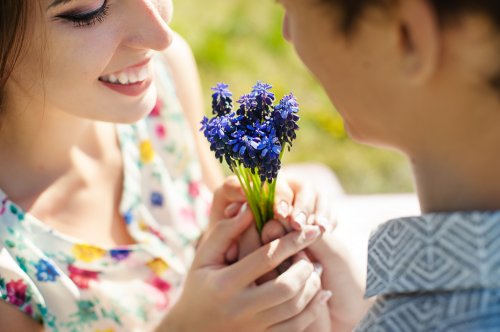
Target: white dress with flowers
column 69, row 285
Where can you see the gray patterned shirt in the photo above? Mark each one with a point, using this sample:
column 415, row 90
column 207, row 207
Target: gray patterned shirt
column 436, row 272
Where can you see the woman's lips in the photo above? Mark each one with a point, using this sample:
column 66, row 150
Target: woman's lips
column 131, row 89
column 132, row 81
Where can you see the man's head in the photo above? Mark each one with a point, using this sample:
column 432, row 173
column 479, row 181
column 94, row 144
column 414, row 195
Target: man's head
column 396, row 70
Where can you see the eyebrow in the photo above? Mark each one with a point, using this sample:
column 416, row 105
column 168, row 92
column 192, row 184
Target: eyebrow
column 56, row 3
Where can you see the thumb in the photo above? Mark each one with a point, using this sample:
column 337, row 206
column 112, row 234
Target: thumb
column 221, row 237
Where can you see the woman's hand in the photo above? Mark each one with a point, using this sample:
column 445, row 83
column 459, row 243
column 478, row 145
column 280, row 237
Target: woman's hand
column 298, row 206
column 222, row 297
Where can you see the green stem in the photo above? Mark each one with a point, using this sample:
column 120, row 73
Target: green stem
column 263, row 195
column 242, row 175
column 246, row 189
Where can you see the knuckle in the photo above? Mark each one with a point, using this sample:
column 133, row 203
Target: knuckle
column 316, row 280
column 294, row 242
column 230, row 184
column 219, row 192
column 221, row 225
column 296, row 307
column 270, row 255
column 286, row 289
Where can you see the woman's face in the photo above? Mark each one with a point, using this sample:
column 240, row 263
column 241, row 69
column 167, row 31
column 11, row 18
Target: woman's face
column 91, row 58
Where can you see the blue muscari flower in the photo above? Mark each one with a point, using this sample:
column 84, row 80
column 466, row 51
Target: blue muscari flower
column 269, row 170
column 285, row 117
column 256, row 134
column 222, row 101
column 270, row 146
column 270, row 149
column 263, row 95
column 45, row 271
column 218, row 132
column 248, row 103
column 264, row 99
column 244, row 148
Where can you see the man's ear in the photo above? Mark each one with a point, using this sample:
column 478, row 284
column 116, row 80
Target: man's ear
column 419, row 39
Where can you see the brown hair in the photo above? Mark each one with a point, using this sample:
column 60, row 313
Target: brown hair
column 446, row 10
column 13, row 25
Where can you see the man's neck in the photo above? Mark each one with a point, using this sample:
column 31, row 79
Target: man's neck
column 459, row 182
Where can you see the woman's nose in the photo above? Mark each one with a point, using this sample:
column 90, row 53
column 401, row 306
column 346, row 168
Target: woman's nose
column 147, row 24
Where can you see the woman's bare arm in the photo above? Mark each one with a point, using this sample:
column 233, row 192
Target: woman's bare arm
column 187, row 81
column 12, row 319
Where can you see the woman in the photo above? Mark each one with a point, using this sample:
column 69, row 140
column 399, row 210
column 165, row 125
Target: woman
column 100, row 205
column 421, row 77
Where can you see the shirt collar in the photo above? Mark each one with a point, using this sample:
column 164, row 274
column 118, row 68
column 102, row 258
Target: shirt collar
column 435, row 252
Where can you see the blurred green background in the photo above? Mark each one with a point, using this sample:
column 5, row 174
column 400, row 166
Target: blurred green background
column 239, row 42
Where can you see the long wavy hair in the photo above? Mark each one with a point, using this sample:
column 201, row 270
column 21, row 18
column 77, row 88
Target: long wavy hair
column 13, row 26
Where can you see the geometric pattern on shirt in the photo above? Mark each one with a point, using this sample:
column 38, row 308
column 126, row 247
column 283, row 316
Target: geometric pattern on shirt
column 458, row 311
column 435, row 252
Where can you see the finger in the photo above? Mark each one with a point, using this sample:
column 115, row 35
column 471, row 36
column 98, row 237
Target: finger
column 230, row 192
column 327, row 225
column 249, row 242
column 325, row 214
column 281, row 289
column 272, row 230
column 315, row 309
column 232, row 253
column 303, row 205
column 283, row 201
column 283, row 267
column 232, row 210
column 294, row 305
column 269, row 256
column 218, row 241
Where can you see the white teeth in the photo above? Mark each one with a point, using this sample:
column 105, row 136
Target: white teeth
column 130, row 76
column 123, row 78
column 143, row 74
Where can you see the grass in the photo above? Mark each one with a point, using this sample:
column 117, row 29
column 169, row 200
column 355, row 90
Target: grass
column 239, row 42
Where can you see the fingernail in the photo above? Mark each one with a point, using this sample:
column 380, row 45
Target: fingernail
column 243, row 209
column 232, row 210
column 318, row 269
column 325, row 296
column 300, row 219
column 283, row 208
column 312, row 233
column 325, row 224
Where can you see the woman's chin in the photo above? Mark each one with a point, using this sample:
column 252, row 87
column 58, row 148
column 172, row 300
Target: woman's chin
column 135, row 111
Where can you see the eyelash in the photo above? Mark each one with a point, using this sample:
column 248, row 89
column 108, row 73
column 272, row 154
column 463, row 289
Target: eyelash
column 87, row 19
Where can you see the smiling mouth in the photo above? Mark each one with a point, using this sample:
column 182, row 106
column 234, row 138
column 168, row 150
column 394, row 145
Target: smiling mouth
column 128, row 76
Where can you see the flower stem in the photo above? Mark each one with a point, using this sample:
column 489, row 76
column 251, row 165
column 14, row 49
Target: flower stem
column 242, row 175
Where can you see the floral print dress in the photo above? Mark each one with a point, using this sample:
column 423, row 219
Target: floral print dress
column 69, row 285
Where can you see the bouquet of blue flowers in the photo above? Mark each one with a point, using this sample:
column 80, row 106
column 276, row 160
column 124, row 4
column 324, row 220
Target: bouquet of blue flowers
column 252, row 140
